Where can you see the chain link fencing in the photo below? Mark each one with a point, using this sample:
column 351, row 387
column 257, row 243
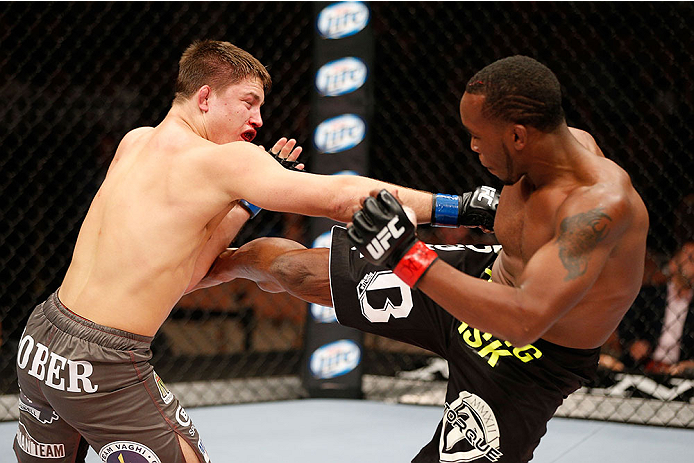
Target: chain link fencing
column 75, row 77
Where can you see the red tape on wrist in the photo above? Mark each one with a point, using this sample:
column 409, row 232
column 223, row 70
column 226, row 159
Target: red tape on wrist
column 415, row 263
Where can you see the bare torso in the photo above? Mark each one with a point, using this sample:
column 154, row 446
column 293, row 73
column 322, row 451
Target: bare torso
column 148, row 235
column 525, row 221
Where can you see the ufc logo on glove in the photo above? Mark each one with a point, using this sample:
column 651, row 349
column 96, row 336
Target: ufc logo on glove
column 385, row 236
column 487, row 193
column 381, row 243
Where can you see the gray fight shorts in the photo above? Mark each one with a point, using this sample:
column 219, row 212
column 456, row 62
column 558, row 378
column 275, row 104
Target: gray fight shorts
column 83, row 384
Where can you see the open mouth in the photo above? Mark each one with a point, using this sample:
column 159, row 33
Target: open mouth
column 248, row 135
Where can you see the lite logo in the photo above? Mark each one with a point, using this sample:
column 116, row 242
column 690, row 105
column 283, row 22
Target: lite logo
column 342, row 19
column 341, row 76
column 339, row 133
column 335, row 359
column 323, row 314
column 381, row 243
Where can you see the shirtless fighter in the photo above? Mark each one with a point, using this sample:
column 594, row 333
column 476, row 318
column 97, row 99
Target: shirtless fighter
column 168, row 206
column 573, row 231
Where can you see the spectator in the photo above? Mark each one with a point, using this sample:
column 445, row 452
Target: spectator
column 658, row 333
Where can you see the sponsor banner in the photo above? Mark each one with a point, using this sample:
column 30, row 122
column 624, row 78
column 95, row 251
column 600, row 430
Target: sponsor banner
column 342, row 19
column 202, row 449
column 335, row 359
column 341, row 110
column 43, row 414
column 52, row 369
column 339, row 133
column 341, row 76
column 166, row 395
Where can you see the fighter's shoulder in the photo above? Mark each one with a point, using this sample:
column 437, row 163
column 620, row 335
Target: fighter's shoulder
column 134, row 135
column 128, row 144
column 234, row 152
column 609, row 201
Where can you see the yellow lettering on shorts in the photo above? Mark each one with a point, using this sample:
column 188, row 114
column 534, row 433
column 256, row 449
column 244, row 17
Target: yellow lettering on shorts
column 492, row 348
column 527, row 353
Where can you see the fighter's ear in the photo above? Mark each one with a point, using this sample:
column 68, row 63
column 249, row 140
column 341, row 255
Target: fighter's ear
column 203, row 94
column 519, row 136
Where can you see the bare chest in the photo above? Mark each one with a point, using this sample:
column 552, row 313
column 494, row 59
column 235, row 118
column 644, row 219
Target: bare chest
column 525, row 222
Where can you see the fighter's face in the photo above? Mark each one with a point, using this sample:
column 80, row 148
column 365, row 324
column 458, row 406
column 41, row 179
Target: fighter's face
column 234, row 112
column 487, row 139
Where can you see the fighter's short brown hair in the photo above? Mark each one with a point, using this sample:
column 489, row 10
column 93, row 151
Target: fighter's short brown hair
column 217, row 64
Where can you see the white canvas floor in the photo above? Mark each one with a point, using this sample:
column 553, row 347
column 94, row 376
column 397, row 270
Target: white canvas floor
column 341, row 431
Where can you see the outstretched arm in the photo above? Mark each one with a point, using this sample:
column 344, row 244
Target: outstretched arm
column 243, row 170
column 276, row 265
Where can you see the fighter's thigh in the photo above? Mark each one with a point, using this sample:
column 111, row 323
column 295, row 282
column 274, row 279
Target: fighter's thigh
column 190, row 455
column 142, row 420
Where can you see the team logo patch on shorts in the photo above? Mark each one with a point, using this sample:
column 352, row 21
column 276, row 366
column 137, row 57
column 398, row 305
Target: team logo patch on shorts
column 383, row 295
column 45, row 415
column 166, row 395
column 124, row 451
column 469, row 431
column 32, row 447
column 182, row 417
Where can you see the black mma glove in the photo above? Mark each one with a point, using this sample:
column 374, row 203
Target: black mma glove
column 385, row 236
column 252, row 209
column 286, row 163
column 472, row 209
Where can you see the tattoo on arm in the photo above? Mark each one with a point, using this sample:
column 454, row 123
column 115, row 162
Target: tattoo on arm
column 578, row 236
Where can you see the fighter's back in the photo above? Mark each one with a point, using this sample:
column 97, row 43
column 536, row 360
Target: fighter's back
column 143, row 233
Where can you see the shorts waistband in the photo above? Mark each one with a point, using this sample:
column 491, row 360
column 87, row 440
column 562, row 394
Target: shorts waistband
column 68, row 321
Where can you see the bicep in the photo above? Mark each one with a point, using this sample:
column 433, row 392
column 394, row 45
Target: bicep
column 261, row 180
